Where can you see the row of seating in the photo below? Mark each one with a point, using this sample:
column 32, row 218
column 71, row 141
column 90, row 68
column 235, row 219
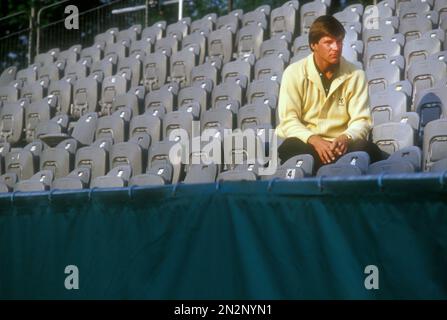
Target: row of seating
column 101, row 116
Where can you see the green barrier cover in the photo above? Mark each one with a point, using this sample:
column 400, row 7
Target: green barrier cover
column 311, row 239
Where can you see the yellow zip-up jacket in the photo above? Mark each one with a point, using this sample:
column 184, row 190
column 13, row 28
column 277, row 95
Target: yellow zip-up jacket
column 305, row 110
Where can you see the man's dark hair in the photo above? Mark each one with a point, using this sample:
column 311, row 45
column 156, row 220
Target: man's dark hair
column 325, row 26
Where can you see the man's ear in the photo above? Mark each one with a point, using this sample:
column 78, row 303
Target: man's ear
column 312, row 46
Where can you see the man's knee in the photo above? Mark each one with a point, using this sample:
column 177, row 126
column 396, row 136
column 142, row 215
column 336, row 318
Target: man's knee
column 369, row 147
column 359, row 145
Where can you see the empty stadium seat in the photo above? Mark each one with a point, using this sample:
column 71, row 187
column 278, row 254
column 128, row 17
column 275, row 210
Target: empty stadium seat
column 434, row 144
column 406, row 160
column 393, row 136
column 350, row 164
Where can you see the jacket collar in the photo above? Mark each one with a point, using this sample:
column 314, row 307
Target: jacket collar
column 313, row 75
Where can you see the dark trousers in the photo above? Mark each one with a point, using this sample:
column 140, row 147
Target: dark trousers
column 294, row 146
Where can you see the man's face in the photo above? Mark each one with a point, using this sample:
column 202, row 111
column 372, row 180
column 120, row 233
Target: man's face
column 329, row 49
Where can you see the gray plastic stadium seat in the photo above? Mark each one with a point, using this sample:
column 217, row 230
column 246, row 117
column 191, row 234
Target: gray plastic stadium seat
column 111, row 87
column 435, row 142
column 249, row 40
column 420, row 49
column 102, row 69
column 180, row 119
column 43, row 59
column 28, row 75
column 273, row 47
column 426, row 74
column 255, row 117
column 159, row 102
column 127, row 100
column 151, row 35
column 59, row 160
column 439, row 166
column 33, row 91
column 120, row 49
column 76, row 71
column 347, row 16
column 92, row 54
column 8, row 75
column 414, row 28
column 406, row 160
column 71, row 55
column 404, row 86
column 218, row 119
column 201, row 173
column 202, row 25
column 350, row 164
column 160, row 169
column 431, row 104
column 378, row 28
column 309, row 12
column 254, row 18
column 438, row 34
column 167, row 46
column 297, row 167
column 21, row 163
column 220, row 44
column 108, row 37
column 181, row 65
column 270, row 67
column 117, row 177
column 63, row 91
column 234, row 69
column 114, row 126
column 204, row 73
column 410, row 9
column 440, row 6
column 79, row 178
column 388, row 106
column 41, row 181
column 264, row 92
column 146, row 124
column 241, row 172
column 381, row 50
column 7, row 182
column 130, row 153
column 227, row 95
column 130, row 69
column 155, row 70
column 390, row 137
column 132, row 33
column 52, row 72
column 12, row 121
column 5, row 147
column 381, row 76
column 36, row 112
column 9, row 94
column 196, row 40
column 190, row 94
column 228, row 22
column 357, row 8
column 94, row 158
column 177, row 30
column 142, row 47
column 85, row 97
column 301, row 44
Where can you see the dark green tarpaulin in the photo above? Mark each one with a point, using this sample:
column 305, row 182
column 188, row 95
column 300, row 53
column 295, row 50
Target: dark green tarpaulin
column 282, row 240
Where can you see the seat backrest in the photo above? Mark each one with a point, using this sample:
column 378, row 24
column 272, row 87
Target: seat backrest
column 155, row 70
column 434, row 143
column 390, row 137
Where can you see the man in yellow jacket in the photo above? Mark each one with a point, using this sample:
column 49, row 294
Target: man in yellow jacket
column 323, row 103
